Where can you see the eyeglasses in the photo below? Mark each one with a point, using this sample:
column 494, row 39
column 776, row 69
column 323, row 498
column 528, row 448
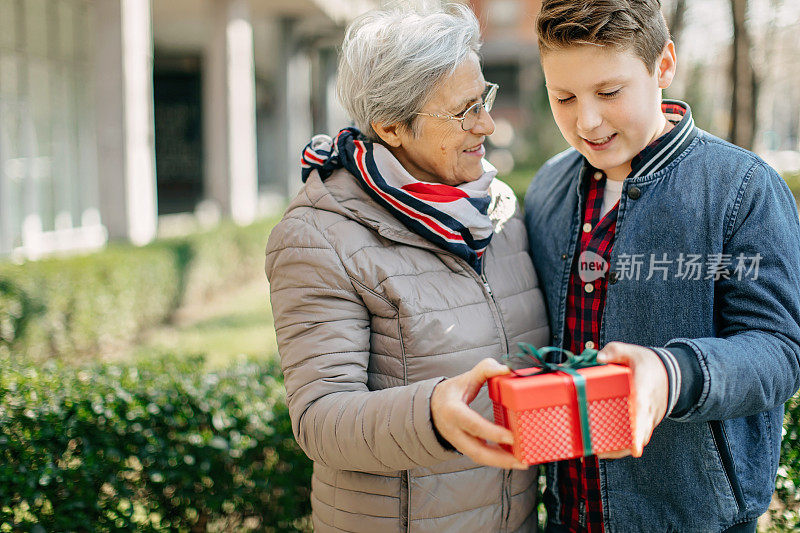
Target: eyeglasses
column 469, row 118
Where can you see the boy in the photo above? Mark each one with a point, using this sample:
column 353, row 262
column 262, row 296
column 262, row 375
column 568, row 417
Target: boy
column 683, row 247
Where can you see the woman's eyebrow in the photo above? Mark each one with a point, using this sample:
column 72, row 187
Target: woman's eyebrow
column 466, row 101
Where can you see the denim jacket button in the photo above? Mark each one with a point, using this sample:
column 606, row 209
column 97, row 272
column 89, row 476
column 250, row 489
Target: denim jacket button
column 612, row 278
column 634, row 193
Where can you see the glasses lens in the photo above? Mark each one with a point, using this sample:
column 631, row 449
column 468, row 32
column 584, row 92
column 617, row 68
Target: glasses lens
column 473, row 113
column 471, row 116
column 488, row 100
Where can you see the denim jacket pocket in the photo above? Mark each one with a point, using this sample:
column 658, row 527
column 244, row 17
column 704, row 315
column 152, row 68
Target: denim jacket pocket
column 725, row 457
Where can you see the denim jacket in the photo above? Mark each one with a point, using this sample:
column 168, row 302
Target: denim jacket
column 712, row 465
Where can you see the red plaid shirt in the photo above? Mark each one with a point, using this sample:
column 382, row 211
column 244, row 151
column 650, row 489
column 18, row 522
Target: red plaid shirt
column 579, row 479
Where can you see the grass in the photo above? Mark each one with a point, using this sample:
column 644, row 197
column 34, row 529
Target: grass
column 793, row 181
column 234, row 324
column 519, row 179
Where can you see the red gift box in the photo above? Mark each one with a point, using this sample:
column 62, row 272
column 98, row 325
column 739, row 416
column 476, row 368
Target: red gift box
column 542, row 412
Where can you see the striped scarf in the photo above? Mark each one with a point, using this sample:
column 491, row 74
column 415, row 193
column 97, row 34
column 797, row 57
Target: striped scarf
column 454, row 218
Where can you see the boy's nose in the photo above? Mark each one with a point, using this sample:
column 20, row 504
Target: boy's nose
column 589, row 118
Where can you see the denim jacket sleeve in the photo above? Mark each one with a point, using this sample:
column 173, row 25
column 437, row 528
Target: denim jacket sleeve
column 751, row 365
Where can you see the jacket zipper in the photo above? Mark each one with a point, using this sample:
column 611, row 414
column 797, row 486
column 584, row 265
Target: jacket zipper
column 505, row 494
column 495, row 307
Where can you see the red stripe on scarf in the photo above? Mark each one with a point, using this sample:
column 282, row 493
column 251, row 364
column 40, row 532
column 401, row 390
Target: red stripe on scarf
column 434, row 192
column 311, row 156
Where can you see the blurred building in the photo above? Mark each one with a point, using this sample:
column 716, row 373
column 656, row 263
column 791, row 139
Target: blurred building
column 511, row 59
column 113, row 112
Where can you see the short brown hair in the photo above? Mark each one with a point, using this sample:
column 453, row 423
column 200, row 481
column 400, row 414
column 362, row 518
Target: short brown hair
column 636, row 25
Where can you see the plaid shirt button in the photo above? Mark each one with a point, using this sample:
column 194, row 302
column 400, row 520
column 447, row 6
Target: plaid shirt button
column 589, row 288
column 598, row 175
column 589, row 345
column 587, row 227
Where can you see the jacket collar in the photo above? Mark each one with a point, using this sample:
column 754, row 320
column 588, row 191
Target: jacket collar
column 668, row 147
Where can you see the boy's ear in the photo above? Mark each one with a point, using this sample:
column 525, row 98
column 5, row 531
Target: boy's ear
column 666, row 65
column 388, row 133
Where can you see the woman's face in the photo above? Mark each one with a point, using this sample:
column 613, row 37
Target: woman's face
column 442, row 152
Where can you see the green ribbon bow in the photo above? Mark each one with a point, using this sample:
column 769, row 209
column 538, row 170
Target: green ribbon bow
column 570, row 366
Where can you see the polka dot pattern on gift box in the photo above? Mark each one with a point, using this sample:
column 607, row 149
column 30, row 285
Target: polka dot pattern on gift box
column 610, row 423
column 547, row 431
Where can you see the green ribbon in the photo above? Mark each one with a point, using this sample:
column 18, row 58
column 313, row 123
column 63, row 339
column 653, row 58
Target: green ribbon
column 570, row 366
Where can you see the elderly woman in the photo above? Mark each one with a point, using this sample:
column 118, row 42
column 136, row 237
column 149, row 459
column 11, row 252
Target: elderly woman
column 399, row 276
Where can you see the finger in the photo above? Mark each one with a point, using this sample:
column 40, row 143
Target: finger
column 613, row 352
column 614, row 455
column 475, row 425
column 487, row 454
column 478, row 375
column 645, row 436
column 488, row 368
column 636, row 450
column 642, row 436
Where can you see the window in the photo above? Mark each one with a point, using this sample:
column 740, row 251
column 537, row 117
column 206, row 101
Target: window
column 48, row 177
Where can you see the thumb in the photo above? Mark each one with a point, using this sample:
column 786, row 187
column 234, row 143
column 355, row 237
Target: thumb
column 612, row 354
column 476, row 377
column 488, row 368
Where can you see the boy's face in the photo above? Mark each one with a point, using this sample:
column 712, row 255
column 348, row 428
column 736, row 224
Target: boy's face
column 605, row 102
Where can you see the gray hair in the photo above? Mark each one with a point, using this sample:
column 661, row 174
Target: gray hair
column 393, row 59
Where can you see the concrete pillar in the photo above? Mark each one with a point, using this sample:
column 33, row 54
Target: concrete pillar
column 336, row 115
column 231, row 176
column 295, row 117
column 125, row 130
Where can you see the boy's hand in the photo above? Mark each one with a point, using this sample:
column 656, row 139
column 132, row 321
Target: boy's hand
column 650, row 391
column 465, row 429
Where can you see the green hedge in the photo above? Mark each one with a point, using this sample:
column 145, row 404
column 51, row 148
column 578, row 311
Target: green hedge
column 84, row 306
column 787, row 515
column 156, row 446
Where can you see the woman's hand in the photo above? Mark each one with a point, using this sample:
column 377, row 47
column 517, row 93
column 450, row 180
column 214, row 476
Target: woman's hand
column 464, row 428
column 649, row 395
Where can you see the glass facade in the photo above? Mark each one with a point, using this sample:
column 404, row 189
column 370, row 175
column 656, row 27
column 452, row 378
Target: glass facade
column 48, row 176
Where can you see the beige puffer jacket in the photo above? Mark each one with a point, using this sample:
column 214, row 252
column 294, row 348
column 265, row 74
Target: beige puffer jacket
column 369, row 318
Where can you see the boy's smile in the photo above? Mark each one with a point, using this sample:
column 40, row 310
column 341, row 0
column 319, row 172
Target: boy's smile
column 605, row 102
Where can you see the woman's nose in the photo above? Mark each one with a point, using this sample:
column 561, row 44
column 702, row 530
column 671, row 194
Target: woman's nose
column 485, row 124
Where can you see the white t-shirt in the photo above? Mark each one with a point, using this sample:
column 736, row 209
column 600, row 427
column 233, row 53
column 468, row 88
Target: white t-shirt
column 611, row 196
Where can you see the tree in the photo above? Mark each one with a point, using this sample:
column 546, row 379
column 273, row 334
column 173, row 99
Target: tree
column 743, row 80
column 676, row 19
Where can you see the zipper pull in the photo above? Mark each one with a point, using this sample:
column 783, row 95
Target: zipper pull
column 486, row 284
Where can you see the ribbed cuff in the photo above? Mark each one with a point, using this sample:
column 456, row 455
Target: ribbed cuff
column 673, row 376
column 691, row 386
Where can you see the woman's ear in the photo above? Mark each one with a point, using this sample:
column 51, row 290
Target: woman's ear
column 666, row 65
column 389, row 133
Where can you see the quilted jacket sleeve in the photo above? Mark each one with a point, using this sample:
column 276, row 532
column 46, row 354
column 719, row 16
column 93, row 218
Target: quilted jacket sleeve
column 323, row 332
